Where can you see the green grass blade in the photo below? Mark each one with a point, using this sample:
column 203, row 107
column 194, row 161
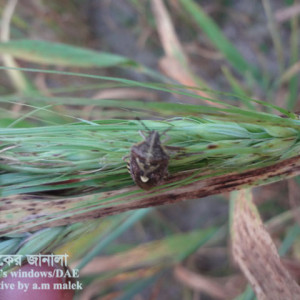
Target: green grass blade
column 154, row 86
column 213, row 32
column 237, row 88
column 274, row 31
column 294, row 81
column 138, row 287
column 247, row 295
column 115, row 233
column 50, row 53
column 9, row 246
column 292, row 234
column 37, row 242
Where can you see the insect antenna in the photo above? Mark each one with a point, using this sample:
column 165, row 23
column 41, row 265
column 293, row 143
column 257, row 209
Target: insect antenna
column 146, row 127
column 166, row 130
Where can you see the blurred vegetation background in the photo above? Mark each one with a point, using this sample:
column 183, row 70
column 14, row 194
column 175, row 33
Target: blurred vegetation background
column 82, row 64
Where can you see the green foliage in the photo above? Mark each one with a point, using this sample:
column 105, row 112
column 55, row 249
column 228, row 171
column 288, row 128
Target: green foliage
column 216, row 36
column 49, row 148
column 49, row 53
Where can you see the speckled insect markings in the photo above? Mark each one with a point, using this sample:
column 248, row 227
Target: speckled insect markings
column 149, row 161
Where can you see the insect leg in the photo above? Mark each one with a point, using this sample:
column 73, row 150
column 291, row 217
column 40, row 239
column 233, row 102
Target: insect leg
column 125, row 158
column 142, row 134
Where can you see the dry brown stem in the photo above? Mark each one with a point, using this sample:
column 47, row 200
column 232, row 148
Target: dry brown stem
column 256, row 254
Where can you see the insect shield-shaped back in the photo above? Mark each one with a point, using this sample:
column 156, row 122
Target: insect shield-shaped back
column 148, row 162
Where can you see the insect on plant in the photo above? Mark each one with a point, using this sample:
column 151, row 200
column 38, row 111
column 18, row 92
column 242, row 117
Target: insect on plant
column 148, row 164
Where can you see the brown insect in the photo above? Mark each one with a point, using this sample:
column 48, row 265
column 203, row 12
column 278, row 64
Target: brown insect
column 148, row 165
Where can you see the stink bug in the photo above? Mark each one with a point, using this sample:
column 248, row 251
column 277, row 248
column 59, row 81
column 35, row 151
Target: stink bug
column 148, row 164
